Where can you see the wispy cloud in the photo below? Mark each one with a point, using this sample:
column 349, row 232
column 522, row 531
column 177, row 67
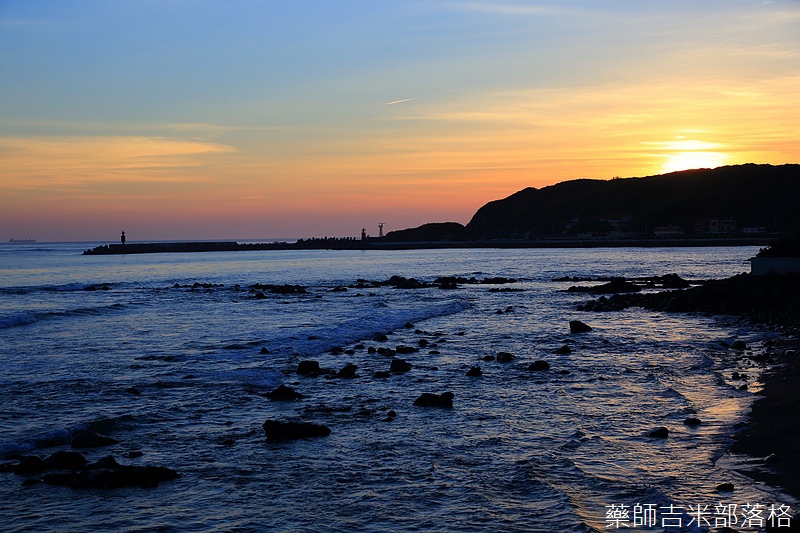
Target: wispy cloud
column 60, row 161
column 400, row 101
column 505, row 8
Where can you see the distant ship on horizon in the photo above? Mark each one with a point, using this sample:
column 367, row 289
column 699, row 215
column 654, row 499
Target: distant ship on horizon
column 22, row 241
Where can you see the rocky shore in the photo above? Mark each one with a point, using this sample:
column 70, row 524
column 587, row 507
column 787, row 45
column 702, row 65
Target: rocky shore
column 772, row 436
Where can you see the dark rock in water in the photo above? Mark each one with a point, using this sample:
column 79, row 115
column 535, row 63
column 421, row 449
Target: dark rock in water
column 104, row 462
column 488, row 358
column 307, row 367
column 615, row 286
column 380, row 338
column 658, row 433
column 408, row 325
column 381, row 375
column 475, row 371
column 145, row 477
column 406, row 349
column 539, row 365
column 59, row 479
column 228, row 442
column 264, row 351
column 564, row 350
column 336, row 350
column 277, row 430
column 739, row 345
column 133, row 390
column 399, row 365
column 133, row 455
column 371, row 350
column 64, row 460
column 576, row 326
column 505, row 357
column 423, row 343
column 284, row 393
column 692, row 422
column 30, row 464
column 349, row 371
column 85, row 438
column 725, row 487
column 428, row 399
column 107, row 473
column 672, row 281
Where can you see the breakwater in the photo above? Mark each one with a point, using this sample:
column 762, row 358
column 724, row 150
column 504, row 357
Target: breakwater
column 382, row 244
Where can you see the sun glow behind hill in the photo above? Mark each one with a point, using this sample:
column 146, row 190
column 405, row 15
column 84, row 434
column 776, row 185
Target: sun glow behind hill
column 687, row 154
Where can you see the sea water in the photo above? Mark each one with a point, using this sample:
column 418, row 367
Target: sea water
column 556, row 450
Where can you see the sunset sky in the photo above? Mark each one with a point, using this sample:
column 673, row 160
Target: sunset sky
column 211, row 119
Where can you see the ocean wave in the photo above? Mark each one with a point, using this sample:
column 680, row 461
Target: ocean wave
column 49, row 439
column 28, row 317
column 17, row 319
column 367, row 325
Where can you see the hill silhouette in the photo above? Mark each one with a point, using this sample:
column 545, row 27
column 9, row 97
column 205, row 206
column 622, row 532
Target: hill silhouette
column 740, row 200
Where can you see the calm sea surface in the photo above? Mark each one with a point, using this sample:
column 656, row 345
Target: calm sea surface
column 519, row 451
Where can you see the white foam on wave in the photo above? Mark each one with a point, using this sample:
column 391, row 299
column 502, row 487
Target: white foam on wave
column 367, row 324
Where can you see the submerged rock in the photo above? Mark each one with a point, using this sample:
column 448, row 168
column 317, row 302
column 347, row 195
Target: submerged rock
column 348, row 371
column 406, row 349
column 564, row 350
column 64, row 460
column 427, row 399
column 85, row 438
column 658, row 433
column 539, row 365
column 277, row 430
column 307, row 367
column 505, row 357
column 284, row 393
column 692, row 422
column 576, row 326
column 108, row 474
column 475, row 371
column 399, row 365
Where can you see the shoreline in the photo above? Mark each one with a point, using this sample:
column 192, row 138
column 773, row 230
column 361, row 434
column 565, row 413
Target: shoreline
column 772, row 435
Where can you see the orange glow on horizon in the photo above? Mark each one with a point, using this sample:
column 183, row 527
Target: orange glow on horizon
column 433, row 162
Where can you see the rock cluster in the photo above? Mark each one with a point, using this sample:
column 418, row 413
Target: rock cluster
column 105, row 473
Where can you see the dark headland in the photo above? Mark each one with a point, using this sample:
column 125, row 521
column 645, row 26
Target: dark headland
column 726, row 206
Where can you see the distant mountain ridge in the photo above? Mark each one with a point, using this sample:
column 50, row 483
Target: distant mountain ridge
column 745, row 199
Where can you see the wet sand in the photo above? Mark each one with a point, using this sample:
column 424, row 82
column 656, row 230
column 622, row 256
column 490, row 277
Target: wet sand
column 773, row 432
column 772, row 302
